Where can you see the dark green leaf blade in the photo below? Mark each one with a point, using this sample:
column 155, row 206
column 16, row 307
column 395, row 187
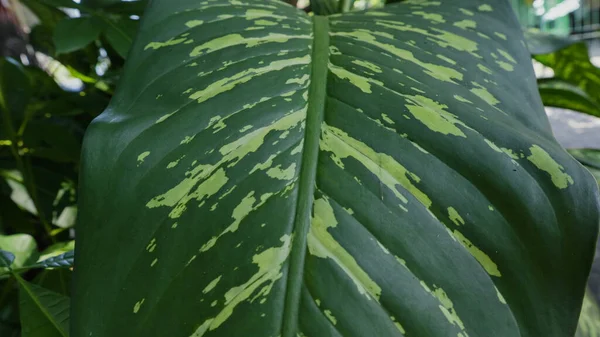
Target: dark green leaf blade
column 560, row 94
column 381, row 173
column 75, row 33
column 15, row 92
column 120, row 35
column 44, row 313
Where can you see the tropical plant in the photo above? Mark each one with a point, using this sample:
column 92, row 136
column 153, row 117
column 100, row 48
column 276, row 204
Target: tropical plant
column 262, row 172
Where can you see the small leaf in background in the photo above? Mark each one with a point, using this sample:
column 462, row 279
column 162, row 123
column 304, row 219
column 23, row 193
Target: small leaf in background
column 572, row 64
column 120, row 35
column 6, row 259
column 76, row 33
column 590, row 158
column 44, row 313
column 589, row 320
column 22, row 246
column 539, row 42
column 15, row 90
column 60, row 261
column 561, row 94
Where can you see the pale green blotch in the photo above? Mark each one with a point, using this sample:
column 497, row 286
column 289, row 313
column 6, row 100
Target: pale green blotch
column 142, row 156
column 484, row 260
column 237, row 39
column 246, row 128
column 226, row 84
column 466, row 12
column 151, row 246
column 154, row 262
column 398, row 325
column 211, row 285
column 465, row 24
column 491, row 208
column 485, row 8
column 455, row 217
column 330, row 316
column 462, row 99
column 507, row 56
column 444, row 58
column 368, row 65
column 387, row 119
column 543, row 161
column 447, row 308
column 361, row 82
column 265, row 23
column 436, row 71
column 299, row 80
column 433, row 17
column 500, row 297
column 138, row 305
column 384, row 167
column 505, row 65
column 187, row 139
column 500, row 35
column 484, row 94
column 433, row 115
column 253, row 14
column 170, row 42
column 322, row 244
column 269, row 263
column 484, row 69
column 282, row 174
column 194, row 23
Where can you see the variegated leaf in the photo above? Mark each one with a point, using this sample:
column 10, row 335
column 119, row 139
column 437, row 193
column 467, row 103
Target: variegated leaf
column 392, row 172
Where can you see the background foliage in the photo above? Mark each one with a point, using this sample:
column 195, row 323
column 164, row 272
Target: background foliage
column 60, row 62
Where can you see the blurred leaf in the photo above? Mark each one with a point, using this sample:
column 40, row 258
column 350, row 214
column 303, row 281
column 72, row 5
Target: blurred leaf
column 57, row 280
column 6, row 259
column 560, row 94
column 62, row 3
column 15, row 91
column 22, row 246
column 572, row 64
column 44, row 313
column 589, row 320
column 540, row 42
column 57, row 249
column 51, row 140
column 128, row 7
column 324, row 7
column 120, row 34
column 76, row 33
column 590, row 158
column 9, row 309
column 12, row 218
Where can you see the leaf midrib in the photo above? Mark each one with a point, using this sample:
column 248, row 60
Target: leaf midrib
column 308, row 171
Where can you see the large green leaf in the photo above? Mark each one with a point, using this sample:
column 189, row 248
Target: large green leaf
column 261, row 172
column 561, row 94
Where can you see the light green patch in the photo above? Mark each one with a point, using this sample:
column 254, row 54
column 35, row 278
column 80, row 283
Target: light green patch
column 170, row 42
column 225, row 84
column 466, row 24
column 322, row 244
column 481, row 92
column 398, row 325
column 505, row 65
column 507, row 56
column 543, row 161
column 455, row 217
column 500, row 35
column 500, row 297
column 466, row 12
column 447, row 308
column 237, row 39
column 433, row 115
column 485, row 8
column 151, row 246
column 253, row 14
column 330, row 316
column 282, row 174
column 484, row 69
column 384, row 167
column 194, row 23
column 187, row 140
column 154, row 262
column 138, row 305
column 462, row 99
column 376, row 13
column 433, row 17
column 491, row 208
column 387, row 119
column 368, row 65
column 142, row 156
column 438, row 72
column 163, row 118
column 483, row 259
column 301, row 80
column 361, row 82
column 265, row 23
column 211, row 285
column 214, row 303
column 444, row 58
column 245, row 128
column 270, row 263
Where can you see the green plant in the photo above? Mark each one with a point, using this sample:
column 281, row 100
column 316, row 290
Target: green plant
column 261, row 172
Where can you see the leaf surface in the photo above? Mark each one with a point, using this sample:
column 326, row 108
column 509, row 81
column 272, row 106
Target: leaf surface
column 261, row 172
column 44, row 313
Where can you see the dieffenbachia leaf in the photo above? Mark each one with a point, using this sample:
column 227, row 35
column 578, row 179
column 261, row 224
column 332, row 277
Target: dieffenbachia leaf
column 572, row 64
column 261, row 172
column 44, row 313
column 561, row 94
